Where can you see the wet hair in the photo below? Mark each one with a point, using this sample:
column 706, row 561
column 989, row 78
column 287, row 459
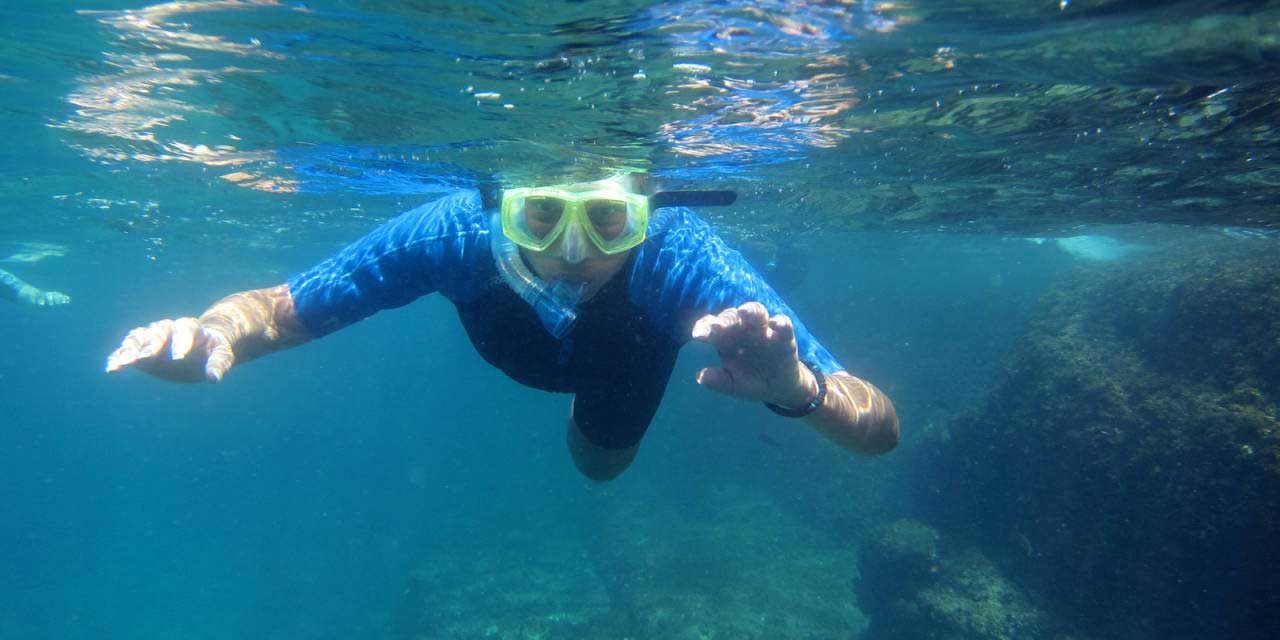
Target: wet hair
column 631, row 181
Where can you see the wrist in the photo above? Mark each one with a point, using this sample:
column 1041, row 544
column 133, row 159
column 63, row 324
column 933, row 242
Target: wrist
column 29, row 294
column 801, row 390
column 806, row 396
column 255, row 322
column 228, row 320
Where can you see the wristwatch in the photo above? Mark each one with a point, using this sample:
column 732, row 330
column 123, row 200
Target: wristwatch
column 800, row 412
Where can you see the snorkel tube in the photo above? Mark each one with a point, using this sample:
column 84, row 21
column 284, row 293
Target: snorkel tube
column 555, row 303
column 704, row 198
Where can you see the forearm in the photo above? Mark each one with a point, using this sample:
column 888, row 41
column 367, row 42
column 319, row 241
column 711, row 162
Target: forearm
column 256, row 322
column 856, row 415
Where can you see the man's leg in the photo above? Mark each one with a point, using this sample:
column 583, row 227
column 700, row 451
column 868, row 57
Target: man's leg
column 613, row 407
column 594, row 461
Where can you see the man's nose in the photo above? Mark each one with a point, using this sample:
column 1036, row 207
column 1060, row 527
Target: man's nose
column 573, row 247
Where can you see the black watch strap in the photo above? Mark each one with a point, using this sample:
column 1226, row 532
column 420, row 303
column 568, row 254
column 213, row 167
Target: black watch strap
column 800, row 412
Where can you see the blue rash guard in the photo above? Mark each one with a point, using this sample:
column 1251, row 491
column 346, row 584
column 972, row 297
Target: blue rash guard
column 619, row 355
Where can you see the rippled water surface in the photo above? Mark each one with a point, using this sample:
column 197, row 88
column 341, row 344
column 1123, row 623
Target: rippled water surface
column 999, row 116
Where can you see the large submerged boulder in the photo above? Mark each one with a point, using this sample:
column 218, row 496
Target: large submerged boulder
column 916, row 585
column 1128, row 464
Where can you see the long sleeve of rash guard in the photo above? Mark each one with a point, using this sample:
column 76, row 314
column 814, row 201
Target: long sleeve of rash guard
column 684, row 270
column 440, row 246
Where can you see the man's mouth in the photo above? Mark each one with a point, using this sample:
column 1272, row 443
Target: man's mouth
column 575, row 276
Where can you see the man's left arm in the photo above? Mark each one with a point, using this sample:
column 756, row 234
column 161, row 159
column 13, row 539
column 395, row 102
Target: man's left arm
column 690, row 282
column 759, row 360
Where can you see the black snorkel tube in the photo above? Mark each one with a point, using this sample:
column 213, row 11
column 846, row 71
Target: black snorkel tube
column 491, row 197
column 708, row 198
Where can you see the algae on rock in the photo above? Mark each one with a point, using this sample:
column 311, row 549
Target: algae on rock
column 1133, row 444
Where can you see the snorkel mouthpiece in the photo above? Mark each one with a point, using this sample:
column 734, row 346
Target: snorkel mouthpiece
column 554, row 303
column 557, row 306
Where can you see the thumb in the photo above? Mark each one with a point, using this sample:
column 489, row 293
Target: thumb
column 221, row 357
column 718, row 380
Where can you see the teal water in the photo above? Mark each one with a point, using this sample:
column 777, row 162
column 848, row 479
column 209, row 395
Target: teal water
column 913, row 177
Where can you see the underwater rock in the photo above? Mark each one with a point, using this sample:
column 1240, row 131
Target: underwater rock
column 501, row 594
column 916, row 585
column 725, row 564
column 1127, row 465
column 1099, row 248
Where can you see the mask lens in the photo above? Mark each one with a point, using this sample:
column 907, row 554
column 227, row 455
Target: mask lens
column 608, row 218
column 541, row 215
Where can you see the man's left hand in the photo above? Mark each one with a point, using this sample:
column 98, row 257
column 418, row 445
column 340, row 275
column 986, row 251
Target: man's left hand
column 758, row 357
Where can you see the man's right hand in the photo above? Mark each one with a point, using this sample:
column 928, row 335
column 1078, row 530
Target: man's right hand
column 179, row 350
column 193, row 349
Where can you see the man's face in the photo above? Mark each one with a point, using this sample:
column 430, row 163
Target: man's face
column 583, row 262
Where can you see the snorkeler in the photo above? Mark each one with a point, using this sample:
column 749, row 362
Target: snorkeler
column 14, row 289
column 589, row 289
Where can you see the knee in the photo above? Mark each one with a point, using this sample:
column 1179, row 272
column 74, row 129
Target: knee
column 599, row 470
column 598, row 463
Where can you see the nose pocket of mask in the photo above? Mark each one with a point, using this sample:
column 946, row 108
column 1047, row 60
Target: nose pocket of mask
column 573, row 247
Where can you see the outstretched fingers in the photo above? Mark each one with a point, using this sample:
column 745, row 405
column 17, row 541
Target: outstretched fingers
column 742, row 326
column 781, row 330
column 221, row 357
column 141, row 343
column 185, row 332
column 718, row 380
column 179, row 350
column 54, row 298
column 756, row 350
column 714, row 327
column 754, row 317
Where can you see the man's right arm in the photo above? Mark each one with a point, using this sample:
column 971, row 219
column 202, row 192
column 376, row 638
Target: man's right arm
column 431, row 248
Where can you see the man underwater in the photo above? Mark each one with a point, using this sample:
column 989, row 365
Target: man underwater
column 573, row 289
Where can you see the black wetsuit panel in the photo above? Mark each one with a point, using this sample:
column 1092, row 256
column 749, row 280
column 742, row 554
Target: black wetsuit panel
column 613, row 360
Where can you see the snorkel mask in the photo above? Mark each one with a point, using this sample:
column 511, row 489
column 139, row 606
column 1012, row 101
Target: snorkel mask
column 611, row 219
column 562, row 220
